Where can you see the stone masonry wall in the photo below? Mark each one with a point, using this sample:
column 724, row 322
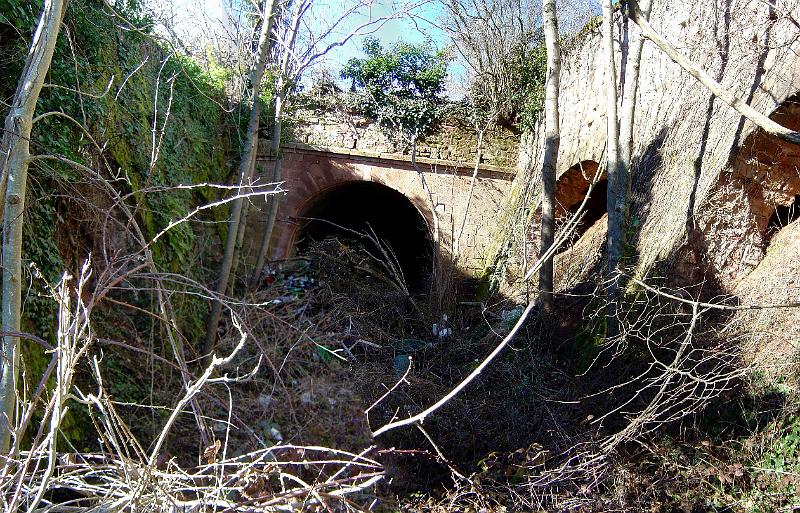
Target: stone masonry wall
column 686, row 142
column 465, row 212
column 450, row 142
column 331, row 149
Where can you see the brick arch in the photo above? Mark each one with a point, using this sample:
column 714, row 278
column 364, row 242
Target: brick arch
column 571, row 188
column 306, row 209
column 466, row 206
column 749, row 204
column 579, row 257
column 309, row 177
column 572, row 185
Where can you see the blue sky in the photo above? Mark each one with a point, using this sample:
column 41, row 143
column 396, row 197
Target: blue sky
column 197, row 19
column 422, row 26
column 200, row 19
column 419, row 27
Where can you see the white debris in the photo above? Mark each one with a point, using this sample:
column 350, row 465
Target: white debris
column 275, row 434
column 442, row 328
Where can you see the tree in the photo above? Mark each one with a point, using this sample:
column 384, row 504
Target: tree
column 15, row 154
column 502, row 44
column 613, row 164
column 283, row 86
column 627, row 115
column 246, row 166
column 619, row 147
column 549, row 160
column 401, row 88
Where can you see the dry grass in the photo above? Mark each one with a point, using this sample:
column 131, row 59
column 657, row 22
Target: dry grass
column 278, row 423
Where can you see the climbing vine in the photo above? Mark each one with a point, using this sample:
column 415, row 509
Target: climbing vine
column 135, row 91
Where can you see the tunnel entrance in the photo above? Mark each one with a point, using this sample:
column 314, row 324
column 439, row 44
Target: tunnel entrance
column 596, row 208
column 361, row 206
column 766, row 169
column 571, row 188
column 751, row 203
column 784, row 215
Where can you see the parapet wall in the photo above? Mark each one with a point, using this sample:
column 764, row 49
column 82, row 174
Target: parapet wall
column 459, row 203
column 451, row 142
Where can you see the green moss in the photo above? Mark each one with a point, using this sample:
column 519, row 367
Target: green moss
column 193, row 149
column 485, row 286
column 588, row 342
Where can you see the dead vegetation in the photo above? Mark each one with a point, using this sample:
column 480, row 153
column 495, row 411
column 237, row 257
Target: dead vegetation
column 674, row 413
column 668, row 416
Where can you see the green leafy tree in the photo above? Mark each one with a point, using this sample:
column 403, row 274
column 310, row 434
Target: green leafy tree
column 401, row 88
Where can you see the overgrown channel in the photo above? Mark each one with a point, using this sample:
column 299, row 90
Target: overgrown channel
column 262, row 256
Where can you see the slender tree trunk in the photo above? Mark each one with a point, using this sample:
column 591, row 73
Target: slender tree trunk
column 15, row 152
column 552, row 142
column 630, row 86
column 762, row 121
column 615, row 214
column 280, row 104
column 627, row 115
column 240, row 235
column 245, row 176
column 274, row 199
column 437, row 285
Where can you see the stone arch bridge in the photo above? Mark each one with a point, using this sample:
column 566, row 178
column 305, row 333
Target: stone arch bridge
column 339, row 175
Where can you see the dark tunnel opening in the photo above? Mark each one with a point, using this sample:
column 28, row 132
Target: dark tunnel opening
column 362, row 206
column 594, row 211
column 783, row 216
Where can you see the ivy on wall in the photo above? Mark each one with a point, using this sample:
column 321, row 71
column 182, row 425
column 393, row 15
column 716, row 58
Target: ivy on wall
column 93, row 47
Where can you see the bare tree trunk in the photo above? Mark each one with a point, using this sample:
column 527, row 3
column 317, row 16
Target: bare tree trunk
column 15, row 152
column 274, row 199
column 615, row 216
column 240, row 235
column 245, row 175
column 552, row 142
column 638, row 16
column 280, row 103
column 632, row 62
column 627, row 116
column 437, row 285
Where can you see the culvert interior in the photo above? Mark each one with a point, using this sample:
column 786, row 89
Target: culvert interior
column 767, row 169
column 571, row 189
column 783, row 216
column 365, row 206
column 594, row 210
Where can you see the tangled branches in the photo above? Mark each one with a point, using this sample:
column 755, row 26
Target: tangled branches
column 125, row 474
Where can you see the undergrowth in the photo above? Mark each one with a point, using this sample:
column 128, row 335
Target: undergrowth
column 131, row 85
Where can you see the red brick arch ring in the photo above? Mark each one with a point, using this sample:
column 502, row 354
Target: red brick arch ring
column 326, row 193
